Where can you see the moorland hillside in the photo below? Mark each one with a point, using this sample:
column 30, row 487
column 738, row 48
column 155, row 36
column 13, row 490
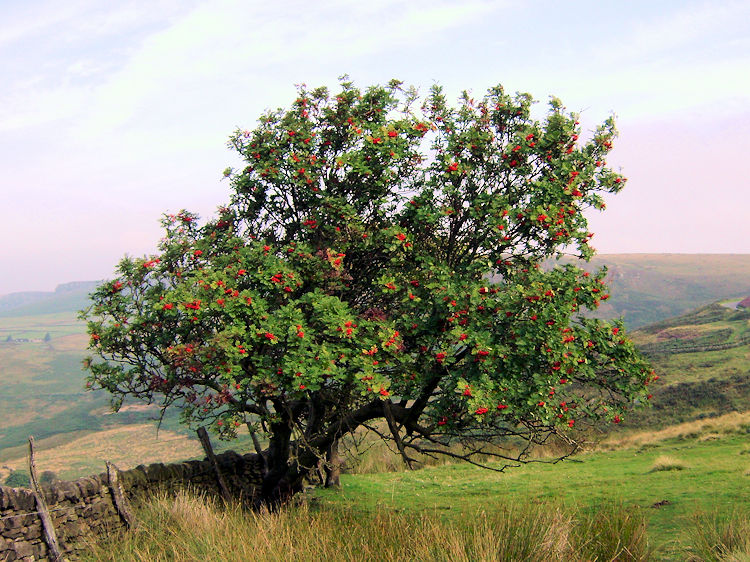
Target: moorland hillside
column 702, row 357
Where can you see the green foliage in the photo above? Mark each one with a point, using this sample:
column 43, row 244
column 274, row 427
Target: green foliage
column 349, row 280
column 18, row 479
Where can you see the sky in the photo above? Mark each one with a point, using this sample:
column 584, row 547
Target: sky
column 112, row 114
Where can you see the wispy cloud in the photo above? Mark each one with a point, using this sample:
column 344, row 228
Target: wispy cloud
column 699, row 27
column 242, row 43
column 56, row 54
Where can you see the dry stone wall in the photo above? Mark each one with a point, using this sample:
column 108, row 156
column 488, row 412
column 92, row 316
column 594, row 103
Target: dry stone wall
column 83, row 510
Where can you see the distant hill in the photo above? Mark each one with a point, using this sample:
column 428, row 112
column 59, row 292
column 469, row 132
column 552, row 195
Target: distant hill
column 647, row 288
column 69, row 297
column 703, row 361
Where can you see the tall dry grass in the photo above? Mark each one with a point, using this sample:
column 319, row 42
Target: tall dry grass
column 193, row 528
column 711, row 428
column 720, row 536
column 613, row 532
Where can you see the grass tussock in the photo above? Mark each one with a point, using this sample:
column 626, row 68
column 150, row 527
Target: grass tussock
column 720, row 536
column 665, row 463
column 188, row 528
column 613, row 532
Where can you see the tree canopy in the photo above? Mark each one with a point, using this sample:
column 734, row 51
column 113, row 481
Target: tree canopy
column 382, row 256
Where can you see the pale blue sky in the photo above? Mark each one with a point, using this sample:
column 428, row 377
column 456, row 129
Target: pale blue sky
column 111, row 116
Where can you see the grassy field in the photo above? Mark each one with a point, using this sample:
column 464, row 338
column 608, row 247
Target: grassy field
column 58, row 325
column 86, row 454
column 193, row 528
column 653, row 498
column 43, row 384
column 715, row 475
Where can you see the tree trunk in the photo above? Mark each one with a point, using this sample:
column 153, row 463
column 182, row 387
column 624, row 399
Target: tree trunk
column 288, row 463
column 276, row 488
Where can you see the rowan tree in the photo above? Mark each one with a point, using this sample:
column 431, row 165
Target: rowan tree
column 381, row 258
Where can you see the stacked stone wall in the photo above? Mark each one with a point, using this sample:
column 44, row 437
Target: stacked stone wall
column 83, row 510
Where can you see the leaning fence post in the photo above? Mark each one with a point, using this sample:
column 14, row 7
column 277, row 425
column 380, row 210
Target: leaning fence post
column 206, row 442
column 118, row 496
column 49, row 530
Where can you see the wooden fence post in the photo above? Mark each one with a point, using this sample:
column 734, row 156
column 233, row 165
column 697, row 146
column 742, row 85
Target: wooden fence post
column 49, row 530
column 118, row 496
column 206, row 442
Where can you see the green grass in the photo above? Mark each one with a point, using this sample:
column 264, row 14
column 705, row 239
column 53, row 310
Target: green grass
column 721, row 535
column 666, row 463
column 43, row 384
column 715, row 480
column 599, row 506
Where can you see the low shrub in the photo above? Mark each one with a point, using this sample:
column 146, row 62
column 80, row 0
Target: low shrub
column 18, row 479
